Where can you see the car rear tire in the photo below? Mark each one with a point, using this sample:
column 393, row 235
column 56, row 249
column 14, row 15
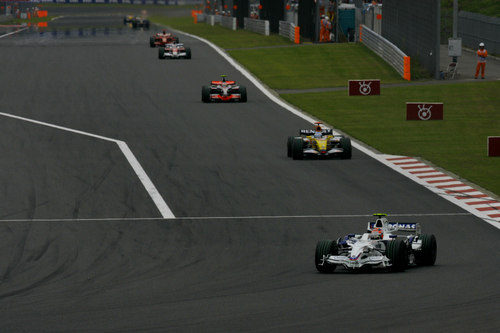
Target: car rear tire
column 345, row 143
column 146, row 24
column 152, row 41
column 298, row 149
column 205, row 94
column 427, row 255
column 397, row 253
column 188, row 53
column 324, row 248
column 176, row 39
column 243, row 93
column 289, row 143
column 161, row 53
column 134, row 24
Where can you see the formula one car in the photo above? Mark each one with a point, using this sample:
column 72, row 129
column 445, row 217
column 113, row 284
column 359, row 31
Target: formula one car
column 138, row 22
column 174, row 51
column 162, row 38
column 319, row 143
column 223, row 91
column 128, row 19
column 380, row 246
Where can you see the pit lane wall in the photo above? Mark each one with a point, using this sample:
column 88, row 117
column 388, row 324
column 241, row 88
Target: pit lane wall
column 386, row 50
column 290, row 31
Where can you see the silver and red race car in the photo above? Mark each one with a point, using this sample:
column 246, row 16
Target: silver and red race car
column 162, row 38
column 223, row 91
column 174, row 51
column 380, row 246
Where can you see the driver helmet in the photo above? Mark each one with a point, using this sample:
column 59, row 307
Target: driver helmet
column 164, row 32
column 377, row 233
column 319, row 132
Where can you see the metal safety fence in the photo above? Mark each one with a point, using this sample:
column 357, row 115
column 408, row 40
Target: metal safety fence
column 258, row 26
column 474, row 28
column 290, row 31
column 386, row 50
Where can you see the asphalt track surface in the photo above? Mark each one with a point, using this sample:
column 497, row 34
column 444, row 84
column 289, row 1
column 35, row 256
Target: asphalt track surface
column 222, row 265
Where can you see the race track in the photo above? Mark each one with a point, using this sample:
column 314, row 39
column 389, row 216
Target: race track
column 83, row 246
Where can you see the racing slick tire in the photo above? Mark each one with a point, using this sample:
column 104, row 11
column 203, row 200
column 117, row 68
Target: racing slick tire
column 161, row 53
column 188, row 53
column 243, row 93
column 145, row 24
column 345, row 143
column 152, row 41
column 124, row 20
column 176, row 40
column 427, row 255
column 298, row 149
column 397, row 253
column 134, row 24
column 323, row 248
column 205, row 94
column 289, row 143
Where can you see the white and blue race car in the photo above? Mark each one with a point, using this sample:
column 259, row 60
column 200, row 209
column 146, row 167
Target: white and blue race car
column 380, row 246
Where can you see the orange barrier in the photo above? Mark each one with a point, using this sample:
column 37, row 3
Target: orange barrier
column 42, row 24
column 42, row 13
column 297, row 35
column 406, row 69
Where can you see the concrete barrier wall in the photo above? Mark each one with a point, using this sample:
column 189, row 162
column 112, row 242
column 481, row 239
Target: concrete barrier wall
column 258, row 26
column 228, row 22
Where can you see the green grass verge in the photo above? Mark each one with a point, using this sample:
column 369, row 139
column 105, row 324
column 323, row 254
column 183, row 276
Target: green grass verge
column 457, row 144
column 302, row 67
column 315, row 66
column 221, row 36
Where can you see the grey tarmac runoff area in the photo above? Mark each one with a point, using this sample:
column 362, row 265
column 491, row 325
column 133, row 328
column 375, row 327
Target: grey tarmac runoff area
column 83, row 247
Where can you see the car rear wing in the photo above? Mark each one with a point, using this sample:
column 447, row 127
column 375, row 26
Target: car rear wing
column 398, row 226
column 220, row 82
column 311, row 132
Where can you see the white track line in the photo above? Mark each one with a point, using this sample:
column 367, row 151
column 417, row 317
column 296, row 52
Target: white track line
column 411, row 170
column 257, row 217
column 134, row 163
column 13, row 32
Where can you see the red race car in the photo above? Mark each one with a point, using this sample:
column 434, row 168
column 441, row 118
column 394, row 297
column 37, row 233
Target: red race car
column 223, row 91
column 162, row 38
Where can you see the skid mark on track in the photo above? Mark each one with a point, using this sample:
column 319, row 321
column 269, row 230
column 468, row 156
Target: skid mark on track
column 132, row 160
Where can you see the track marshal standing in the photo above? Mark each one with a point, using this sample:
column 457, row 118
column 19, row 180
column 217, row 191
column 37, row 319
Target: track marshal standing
column 482, row 54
